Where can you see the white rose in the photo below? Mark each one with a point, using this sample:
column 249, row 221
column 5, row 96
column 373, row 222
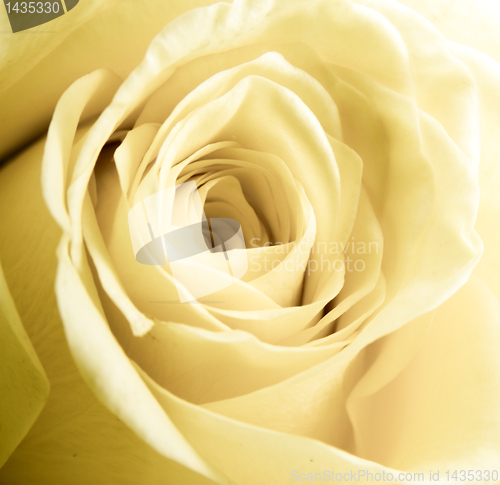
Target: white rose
column 350, row 135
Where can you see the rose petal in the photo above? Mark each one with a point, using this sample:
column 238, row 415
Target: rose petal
column 23, row 384
column 444, row 88
column 440, row 413
column 473, row 23
column 487, row 75
column 238, row 448
column 74, row 429
column 32, row 80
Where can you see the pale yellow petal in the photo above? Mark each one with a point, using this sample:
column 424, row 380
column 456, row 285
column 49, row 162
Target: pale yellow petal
column 23, row 384
column 75, row 439
column 31, row 77
column 254, row 455
column 441, row 412
column 444, row 87
column 474, row 23
column 487, row 75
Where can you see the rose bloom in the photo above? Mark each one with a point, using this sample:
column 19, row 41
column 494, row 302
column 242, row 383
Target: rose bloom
column 358, row 148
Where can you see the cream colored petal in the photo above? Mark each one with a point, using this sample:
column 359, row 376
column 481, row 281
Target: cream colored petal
column 201, row 366
column 225, row 26
column 273, row 325
column 474, row 23
column 381, row 43
column 23, row 384
column 361, row 275
column 363, row 133
column 296, row 137
column 285, row 22
column 444, row 87
column 130, row 153
column 441, row 412
column 31, row 77
column 271, row 65
column 222, row 196
column 350, row 170
column 150, row 288
column 360, row 128
column 279, row 199
column 314, row 403
column 309, row 404
column 387, row 358
column 487, row 75
column 356, row 318
column 75, row 439
column 315, row 398
column 80, row 309
column 309, row 396
column 140, row 323
column 434, row 163
column 108, row 372
column 254, row 455
column 239, row 448
column 146, row 179
column 84, row 99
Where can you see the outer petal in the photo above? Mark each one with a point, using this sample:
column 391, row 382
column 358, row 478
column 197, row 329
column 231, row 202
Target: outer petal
column 253, row 455
column 441, row 412
column 48, row 58
column 100, row 359
column 23, row 384
column 487, row 75
column 410, row 422
column 471, row 22
column 76, row 439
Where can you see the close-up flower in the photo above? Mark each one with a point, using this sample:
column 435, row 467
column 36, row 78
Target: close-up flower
column 249, row 242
